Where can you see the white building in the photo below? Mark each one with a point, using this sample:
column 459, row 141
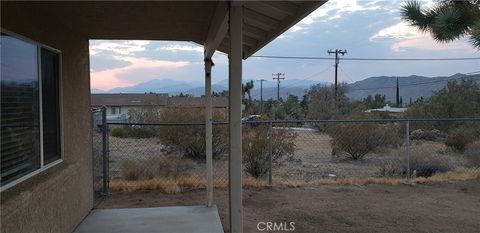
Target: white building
column 387, row 108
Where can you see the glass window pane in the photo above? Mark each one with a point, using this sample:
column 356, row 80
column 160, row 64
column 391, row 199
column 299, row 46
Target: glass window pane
column 50, row 106
column 20, row 148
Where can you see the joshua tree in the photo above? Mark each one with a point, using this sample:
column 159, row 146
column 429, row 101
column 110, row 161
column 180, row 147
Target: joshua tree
column 247, row 89
column 448, row 20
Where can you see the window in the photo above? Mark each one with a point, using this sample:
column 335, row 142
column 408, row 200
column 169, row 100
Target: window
column 115, row 110
column 30, row 109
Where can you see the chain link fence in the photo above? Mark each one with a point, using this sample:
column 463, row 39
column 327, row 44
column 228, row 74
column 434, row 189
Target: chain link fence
column 293, row 153
column 99, row 154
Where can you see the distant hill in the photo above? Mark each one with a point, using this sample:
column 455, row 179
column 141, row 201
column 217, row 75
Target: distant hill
column 293, row 86
column 96, row 91
column 410, row 87
column 170, row 86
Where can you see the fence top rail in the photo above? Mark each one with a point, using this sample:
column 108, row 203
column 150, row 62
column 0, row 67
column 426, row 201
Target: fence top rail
column 302, row 121
column 154, row 124
column 373, row 120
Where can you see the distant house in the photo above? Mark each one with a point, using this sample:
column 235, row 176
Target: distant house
column 118, row 105
column 387, row 108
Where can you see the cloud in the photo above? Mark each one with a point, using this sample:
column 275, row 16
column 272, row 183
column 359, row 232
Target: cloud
column 427, row 43
column 397, row 31
column 403, row 36
column 138, row 70
column 178, row 47
column 121, row 47
column 332, row 10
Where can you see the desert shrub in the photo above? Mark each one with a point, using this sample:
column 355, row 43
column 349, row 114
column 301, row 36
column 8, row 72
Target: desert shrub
column 425, row 163
column 459, row 138
column 147, row 114
column 427, row 135
column 391, row 168
column 139, row 131
column 170, row 166
column 117, row 132
column 255, row 148
column 130, row 170
column 357, row 140
column 189, row 140
column 473, row 153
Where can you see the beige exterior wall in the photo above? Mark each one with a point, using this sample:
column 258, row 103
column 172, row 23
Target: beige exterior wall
column 58, row 199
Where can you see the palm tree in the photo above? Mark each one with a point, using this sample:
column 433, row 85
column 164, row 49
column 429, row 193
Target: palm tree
column 448, row 20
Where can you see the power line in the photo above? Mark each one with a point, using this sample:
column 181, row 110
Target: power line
column 308, row 77
column 292, row 84
column 368, row 59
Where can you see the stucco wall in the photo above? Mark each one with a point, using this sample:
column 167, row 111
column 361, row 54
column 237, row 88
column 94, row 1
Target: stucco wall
column 58, row 199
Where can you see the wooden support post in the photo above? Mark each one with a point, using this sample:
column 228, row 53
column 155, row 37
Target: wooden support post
column 235, row 116
column 208, row 129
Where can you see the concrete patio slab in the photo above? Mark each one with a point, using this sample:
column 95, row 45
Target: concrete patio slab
column 178, row 219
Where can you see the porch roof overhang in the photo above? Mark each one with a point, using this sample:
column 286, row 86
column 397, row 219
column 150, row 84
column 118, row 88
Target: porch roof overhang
column 204, row 23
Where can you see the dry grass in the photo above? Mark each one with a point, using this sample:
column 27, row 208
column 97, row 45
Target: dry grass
column 167, row 185
column 358, row 181
column 173, row 186
column 455, row 175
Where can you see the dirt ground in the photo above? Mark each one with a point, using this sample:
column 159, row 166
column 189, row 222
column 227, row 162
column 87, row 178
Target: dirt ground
column 311, row 160
column 443, row 207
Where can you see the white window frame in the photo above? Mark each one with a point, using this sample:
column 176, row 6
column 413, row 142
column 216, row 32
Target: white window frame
column 43, row 167
column 117, row 108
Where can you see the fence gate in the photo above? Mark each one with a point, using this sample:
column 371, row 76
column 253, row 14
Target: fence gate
column 99, row 154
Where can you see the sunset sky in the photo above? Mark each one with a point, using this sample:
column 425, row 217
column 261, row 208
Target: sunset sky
column 370, row 29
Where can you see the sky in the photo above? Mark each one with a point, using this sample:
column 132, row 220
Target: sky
column 367, row 29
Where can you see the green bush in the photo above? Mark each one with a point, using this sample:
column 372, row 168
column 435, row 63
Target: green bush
column 357, row 140
column 130, row 170
column 189, row 140
column 459, row 138
column 255, row 148
column 117, row 132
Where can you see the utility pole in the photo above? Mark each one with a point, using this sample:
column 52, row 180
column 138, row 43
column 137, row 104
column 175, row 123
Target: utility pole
column 398, row 95
column 261, row 93
column 278, row 83
column 337, row 60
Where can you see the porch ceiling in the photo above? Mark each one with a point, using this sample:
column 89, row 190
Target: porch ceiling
column 175, row 20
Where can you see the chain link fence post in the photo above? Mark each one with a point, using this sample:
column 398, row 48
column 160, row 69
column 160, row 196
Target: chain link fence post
column 407, row 150
column 104, row 150
column 92, row 119
column 270, row 142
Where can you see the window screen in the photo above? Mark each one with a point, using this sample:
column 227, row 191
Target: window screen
column 20, row 129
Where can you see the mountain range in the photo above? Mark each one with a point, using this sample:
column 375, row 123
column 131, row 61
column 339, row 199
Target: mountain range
column 410, row 87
